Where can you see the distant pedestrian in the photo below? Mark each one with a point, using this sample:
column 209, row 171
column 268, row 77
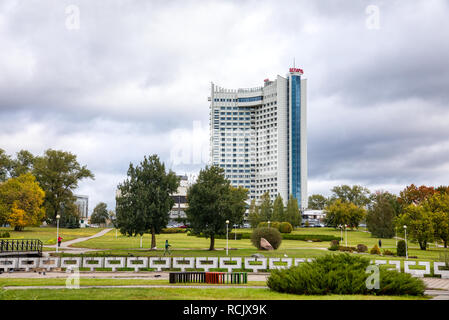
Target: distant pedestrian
column 380, row 243
column 59, row 241
column 166, row 248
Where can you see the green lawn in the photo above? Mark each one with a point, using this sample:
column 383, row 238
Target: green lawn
column 183, row 245
column 177, row 294
column 48, row 234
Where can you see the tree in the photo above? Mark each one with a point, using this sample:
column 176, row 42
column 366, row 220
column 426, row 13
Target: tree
column 23, row 163
column 21, row 202
column 237, row 200
column 292, row 213
column 100, row 214
column 343, row 213
column 437, row 207
column 254, row 214
column 357, row 195
column 5, row 165
column 208, row 203
column 145, row 198
column 58, row 173
column 266, row 209
column 380, row 217
column 278, row 209
column 317, row 202
column 419, row 224
column 412, row 194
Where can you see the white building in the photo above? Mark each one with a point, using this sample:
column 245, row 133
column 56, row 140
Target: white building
column 258, row 135
column 180, row 198
column 82, row 202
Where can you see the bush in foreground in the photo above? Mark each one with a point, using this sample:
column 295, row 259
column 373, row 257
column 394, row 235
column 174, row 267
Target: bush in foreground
column 341, row 274
column 272, row 235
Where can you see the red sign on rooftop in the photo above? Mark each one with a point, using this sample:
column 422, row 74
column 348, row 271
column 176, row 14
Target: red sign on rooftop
column 296, row 70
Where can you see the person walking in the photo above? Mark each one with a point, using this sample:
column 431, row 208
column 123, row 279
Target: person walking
column 166, row 247
column 59, row 241
column 380, row 243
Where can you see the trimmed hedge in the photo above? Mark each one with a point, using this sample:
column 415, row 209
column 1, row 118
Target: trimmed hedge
column 362, row 248
column 273, row 224
column 5, row 234
column 285, row 227
column 272, row 235
column 341, row 274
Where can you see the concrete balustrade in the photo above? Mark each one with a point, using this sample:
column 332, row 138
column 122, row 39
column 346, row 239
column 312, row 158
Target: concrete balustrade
column 111, row 262
column 49, row 263
column 130, row 263
column 178, row 262
column 230, row 267
column 158, row 266
column 274, row 266
column 93, row 262
column 256, row 267
column 201, row 263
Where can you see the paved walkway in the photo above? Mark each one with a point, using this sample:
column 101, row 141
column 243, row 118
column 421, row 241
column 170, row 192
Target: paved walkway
column 65, row 245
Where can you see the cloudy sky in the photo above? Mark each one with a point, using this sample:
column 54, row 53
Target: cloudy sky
column 112, row 83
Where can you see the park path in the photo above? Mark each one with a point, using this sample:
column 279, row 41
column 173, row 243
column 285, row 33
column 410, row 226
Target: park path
column 65, row 245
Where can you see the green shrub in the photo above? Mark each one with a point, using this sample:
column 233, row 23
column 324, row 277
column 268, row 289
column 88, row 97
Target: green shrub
column 375, row 250
column 347, row 249
column 341, row 274
column 388, row 253
column 273, row 224
column 334, row 245
column 362, row 248
column 5, row 234
column 272, row 235
column 400, row 250
column 285, row 227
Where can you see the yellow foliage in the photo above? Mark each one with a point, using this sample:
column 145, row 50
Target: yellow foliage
column 21, row 200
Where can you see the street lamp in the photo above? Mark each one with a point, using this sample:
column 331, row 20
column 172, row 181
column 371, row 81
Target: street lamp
column 406, row 247
column 57, row 231
column 341, row 232
column 227, row 225
column 268, row 223
column 396, row 235
column 346, row 234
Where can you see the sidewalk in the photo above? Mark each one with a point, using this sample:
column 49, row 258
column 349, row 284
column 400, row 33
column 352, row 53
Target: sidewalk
column 65, row 246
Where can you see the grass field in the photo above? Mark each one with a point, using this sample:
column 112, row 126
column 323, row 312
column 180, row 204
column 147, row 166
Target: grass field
column 183, row 245
column 177, row 294
column 48, row 234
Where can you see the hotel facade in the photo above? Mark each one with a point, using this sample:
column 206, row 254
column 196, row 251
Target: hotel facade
column 258, row 136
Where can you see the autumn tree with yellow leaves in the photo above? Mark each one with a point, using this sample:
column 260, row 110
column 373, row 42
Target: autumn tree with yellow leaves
column 21, row 202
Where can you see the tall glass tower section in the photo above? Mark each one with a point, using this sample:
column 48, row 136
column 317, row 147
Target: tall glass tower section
column 258, row 136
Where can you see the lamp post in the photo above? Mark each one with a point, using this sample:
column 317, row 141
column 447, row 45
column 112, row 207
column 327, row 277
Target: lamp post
column 406, row 247
column 268, row 223
column 341, row 232
column 57, row 231
column 396, row 236
column 227, row 226
column 346, row 234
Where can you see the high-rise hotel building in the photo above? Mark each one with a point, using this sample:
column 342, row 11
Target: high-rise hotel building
column 258, row 135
